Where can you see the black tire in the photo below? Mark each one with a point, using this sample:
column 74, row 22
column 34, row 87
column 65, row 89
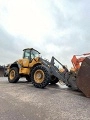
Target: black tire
column 45, row 77
column 54, row 80
column 28, row 78
column 13, row 75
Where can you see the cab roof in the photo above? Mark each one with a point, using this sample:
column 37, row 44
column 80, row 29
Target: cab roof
column 30, row 49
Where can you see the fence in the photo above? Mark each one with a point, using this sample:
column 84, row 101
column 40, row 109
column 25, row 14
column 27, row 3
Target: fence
column 1, row 71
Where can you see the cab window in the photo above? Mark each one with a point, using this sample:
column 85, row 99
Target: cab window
column 26, row 54
column 34, row 54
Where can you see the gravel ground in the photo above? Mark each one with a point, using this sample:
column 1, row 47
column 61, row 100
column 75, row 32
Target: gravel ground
column 22, row 101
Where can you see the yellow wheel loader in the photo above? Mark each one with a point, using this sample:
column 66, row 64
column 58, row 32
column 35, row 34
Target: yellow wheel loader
column 41, row 72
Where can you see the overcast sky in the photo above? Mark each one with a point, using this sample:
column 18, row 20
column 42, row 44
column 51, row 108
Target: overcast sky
column 53, row 27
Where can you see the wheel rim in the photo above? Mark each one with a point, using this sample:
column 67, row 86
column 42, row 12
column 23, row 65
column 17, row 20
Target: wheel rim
column 39, row 76
column 12, row 75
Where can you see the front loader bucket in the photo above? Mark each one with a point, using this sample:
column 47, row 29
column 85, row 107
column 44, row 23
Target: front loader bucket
column 83, row 78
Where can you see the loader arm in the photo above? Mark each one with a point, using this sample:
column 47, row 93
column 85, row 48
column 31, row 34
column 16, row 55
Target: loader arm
column 53, row 70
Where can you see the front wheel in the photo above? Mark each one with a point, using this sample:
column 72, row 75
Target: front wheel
column 13, row 75
column 40, row 76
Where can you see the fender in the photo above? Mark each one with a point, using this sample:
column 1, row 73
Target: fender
column 15, row 64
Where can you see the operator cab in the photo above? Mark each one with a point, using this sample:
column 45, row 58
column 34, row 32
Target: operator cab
column 30, row 53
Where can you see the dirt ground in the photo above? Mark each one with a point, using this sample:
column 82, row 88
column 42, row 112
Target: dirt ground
column 22, row 101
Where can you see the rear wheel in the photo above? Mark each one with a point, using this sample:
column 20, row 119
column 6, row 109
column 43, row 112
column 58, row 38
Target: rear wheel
column 13, row 75
column 40, row 76
column 54, row 80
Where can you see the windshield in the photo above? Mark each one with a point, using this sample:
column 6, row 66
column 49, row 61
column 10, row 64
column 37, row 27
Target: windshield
column 34, row 54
